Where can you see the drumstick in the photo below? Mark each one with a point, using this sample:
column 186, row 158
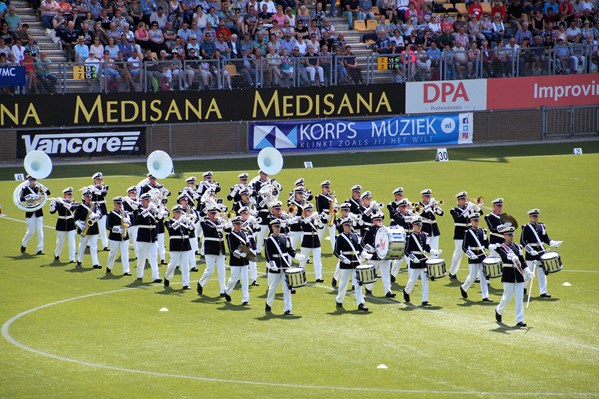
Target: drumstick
column 534, row 266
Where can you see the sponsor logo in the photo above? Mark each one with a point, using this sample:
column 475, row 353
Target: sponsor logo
column 556, row 92
column 274, row 136
column 432, row 97
column 95, row 143
column 445, row 92
column 8, row 71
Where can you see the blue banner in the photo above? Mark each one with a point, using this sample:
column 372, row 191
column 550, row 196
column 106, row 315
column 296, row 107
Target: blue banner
column 338, row 134
column 12, row 76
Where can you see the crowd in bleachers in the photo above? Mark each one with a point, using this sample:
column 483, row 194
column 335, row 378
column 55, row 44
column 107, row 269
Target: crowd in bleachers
column 181, row 44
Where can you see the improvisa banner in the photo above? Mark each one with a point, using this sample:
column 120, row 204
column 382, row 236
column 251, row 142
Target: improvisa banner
column 336, row 135
column 12, row 76
column 543, row 91
column 446, row 96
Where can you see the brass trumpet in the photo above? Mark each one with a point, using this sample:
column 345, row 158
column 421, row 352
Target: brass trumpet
column 292, row 209
column 332, row 210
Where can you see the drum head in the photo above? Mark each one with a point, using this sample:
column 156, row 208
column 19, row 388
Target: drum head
column 293, row 270
column 549, row 255
column 435, row 261
column 364, row 267
column 381, row 242
column 491, row 261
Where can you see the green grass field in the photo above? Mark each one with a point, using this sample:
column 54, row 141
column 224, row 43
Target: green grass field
column 77, row 334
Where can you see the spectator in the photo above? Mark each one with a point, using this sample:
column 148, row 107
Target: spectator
column 81, row 50
column 498, row 8
column 44, row 74
column 522, row 33
column 200, row 19
column 32, row 47
column 301, row 30
column 142, row 36
column 109, row 71
column 351, row 64
column 96, row 48
column 59, row 23
column 383, row 44
column 12, row 19
column 18, row 51
column 207, row 47
column 159, row 17
column 8, row 36
column 134, row 66
column 29, row 63
column 112, row 48
column 49, row 10
column 135, row 11
column 514, row 13
column 184, row 33
column 4, row 49
column 156, row 42
column 69, row 40
column 290, row 17
column 313, row 67
column 475, row 10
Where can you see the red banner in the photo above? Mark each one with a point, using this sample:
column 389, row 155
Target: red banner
column 538, row 91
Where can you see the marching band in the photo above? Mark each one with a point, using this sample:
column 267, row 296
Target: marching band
column 257, row 225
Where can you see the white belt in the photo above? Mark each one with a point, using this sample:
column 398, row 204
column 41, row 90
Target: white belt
column 349, row 252
column 417, row 253
column 477, row 248
column 311, row 234
column 143, row 226
column 65, row 217
column 179, row 237
column 275, row 256
column 429, row 221
column 461, row 224
column 213, row 239
column 536, row 245
column 100, row 202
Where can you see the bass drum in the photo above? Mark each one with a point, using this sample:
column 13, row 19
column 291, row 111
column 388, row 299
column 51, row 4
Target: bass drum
column 397, row 242
column 381, row 242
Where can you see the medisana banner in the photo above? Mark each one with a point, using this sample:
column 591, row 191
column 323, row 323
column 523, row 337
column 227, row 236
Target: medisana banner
column 335, row 135
column 78, row 143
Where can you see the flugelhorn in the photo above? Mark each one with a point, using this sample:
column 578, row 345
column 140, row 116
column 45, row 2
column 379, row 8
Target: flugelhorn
column 38, row 165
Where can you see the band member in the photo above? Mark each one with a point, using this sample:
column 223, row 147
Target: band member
column 403, row 218
column 35, row 220
column 355, row 202
column 494, row 220
column 310, row 224
column 307, row 194
column 474, row 244
column 278, row 253
column 130, row 204
column 179, row 246
column 192, row 220
column 235, row 194
column 460, row 223
column 244, row 201
column 99, row 193
column 325, row 202
column 382, row 265
column 214, row 251
column 190, row 190
column 368, row 208
column 86, row 219
column 296, row 232
column 514, row 270
column 393, row 206
column 147, row 217
column 208, row 184
column 65, row 223
column 251, row 227
column 350, row 253
column 262, row 208
column 117, row 223
column 238, row 262
column 534, row 234
column 430, row 211
column 161, row 193
column 277, row 213
column 416, row 249
column 344, row 210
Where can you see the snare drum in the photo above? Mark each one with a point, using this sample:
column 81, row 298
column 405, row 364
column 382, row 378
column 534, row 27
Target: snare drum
column 492, row 267
column 295, row 276
column 397, row 242
column 551, row 262
column 435, row 268
column 366, row 274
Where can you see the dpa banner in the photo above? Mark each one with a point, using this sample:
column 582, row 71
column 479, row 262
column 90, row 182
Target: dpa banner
column 334, row 135
column 12, row 76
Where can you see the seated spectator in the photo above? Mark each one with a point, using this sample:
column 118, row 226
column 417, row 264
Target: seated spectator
column 4, row 49
column 383, row 44
column 18, row 51
column 8, row 36
column 12, row 19
column 352, row 66
column 44, row 74
column 96, row 48
column 313, row 67
column 109, row 71
column 29, row 63
column 156, row 42
column 33, row 47
column 134, row 66
column 69, row 40
column 59, row 23
column 49, row 10
column 81, row 50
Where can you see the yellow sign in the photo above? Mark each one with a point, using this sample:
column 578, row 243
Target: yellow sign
column 82, row 72
column 382, row 63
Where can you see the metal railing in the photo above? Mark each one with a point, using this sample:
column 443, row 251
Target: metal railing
column 570, row 121
column 178, row 74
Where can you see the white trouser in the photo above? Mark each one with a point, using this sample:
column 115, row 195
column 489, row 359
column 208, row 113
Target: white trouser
column 476, row 270
column 147, row 250
column 34, row 223
column 178, row 258
column 434, row 243
column 344, row 280
column 383, row 267
column 273, row 282
column 295, row 238
column 457, row 257
column 133, row 238
column 337, row 274
column 92, row 241
column 540, row 274
column 160, row 246
column 114, row 247
column 312, row 70
column 191, row 259
column 509, row 290
column 211, row 262
column 316, row 253
column 413, row 275
column 103, row 235
column 332, row 230
column 260, row 239
column 396, row 265
column 239, row 272
column 61, row 236
column 253, row 271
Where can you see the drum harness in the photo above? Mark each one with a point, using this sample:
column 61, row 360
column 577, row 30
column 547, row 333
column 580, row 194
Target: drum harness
column 539, row 243
column 480, row 246
column 274, row 241
column 354, row 252
column 421, row 250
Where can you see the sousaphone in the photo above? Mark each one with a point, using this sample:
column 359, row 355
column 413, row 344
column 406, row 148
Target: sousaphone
column 39, row 165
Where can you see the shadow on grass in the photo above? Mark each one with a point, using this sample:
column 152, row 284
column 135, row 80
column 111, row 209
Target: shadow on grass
column 207, row 299
column 271, row 316
column 79, row 269
column 24, row 256
column 111, row 276
column 136, row 283
column 505, row 329
column 468, row 303
column 228, row 306
column 409, row 307
column 488, row 160
column 171, row 291
column 540, row 299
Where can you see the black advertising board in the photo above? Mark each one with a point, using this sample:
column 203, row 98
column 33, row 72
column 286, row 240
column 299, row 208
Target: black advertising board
column 106, row 109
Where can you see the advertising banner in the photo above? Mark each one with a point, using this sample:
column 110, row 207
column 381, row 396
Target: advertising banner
column 539, row 91
column 12, row 76
column 78, row 143
column 338, row 134
column 105, row 109
column 446, row 96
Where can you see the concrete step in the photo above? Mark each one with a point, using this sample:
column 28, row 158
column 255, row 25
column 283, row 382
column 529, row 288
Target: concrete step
column 20, row 4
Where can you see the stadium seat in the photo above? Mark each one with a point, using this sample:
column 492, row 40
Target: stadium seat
column 486, row 7
column 360, row 26
column 461, row 7
column 371, row 24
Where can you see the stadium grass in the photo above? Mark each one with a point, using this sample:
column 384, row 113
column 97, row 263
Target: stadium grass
column 205, row 348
